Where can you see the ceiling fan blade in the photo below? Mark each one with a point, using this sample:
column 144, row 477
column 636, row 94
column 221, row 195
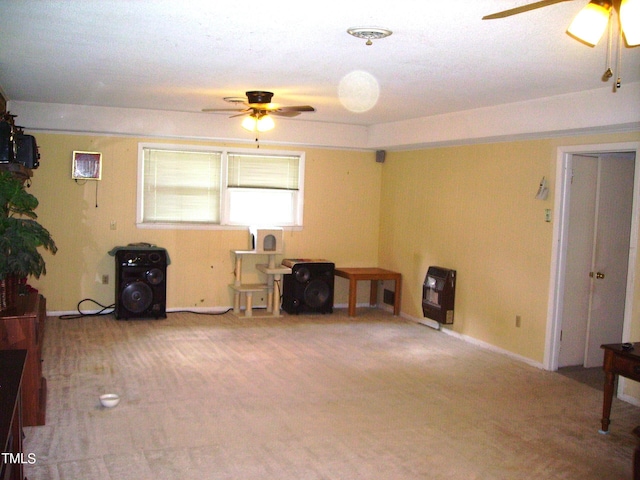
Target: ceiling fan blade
column 522, row 9
column 297, row 108
column 287, row 113
column 224, row 110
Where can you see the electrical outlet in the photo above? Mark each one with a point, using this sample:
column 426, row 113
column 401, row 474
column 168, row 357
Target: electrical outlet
column 518, row 321
column 105, row 279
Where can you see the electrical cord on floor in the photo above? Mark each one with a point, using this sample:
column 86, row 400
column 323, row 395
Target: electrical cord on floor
column 202, row 313
column 82, row 314
column 111, row 308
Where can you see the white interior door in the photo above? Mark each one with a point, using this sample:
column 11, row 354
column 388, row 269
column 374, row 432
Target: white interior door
column 582, row 215
column 599, row 226
column 610, row 255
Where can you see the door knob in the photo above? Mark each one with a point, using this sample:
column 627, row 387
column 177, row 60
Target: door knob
column 598, row 275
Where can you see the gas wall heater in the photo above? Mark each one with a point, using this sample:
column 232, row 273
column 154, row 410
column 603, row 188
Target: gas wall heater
column 439, row 294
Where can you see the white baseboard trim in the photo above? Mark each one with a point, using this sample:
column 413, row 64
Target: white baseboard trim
column 59, row 313
column 474, row 341
column 629, row 399
column 358, row 305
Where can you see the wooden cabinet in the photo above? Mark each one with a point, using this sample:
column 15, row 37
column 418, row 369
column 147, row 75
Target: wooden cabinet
column 12, row 364
column 23, row 329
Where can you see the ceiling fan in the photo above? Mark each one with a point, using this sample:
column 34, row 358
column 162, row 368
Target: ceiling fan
column 591, row 22
column 259, row 109
column 596, row 12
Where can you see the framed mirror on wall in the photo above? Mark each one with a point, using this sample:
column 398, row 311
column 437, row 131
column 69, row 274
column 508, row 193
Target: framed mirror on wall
column 86, row 166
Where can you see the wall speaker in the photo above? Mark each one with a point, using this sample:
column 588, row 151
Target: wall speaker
column 309, row 288
column 380, row 156
column 141, row 283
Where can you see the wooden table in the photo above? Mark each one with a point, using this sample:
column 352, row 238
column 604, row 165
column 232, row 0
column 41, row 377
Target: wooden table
column 372, row 274
column 617, row 361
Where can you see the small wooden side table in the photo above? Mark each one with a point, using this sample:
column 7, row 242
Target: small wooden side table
column 618, row 360
column 372, row 274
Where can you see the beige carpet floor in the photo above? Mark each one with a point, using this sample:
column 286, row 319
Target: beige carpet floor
column 310, row 397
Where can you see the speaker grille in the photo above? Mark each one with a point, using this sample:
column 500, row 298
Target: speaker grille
column 141, row 287
column 309, row 288
column 317, row 293
column 137, row 296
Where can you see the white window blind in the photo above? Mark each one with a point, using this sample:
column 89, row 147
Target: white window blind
column 193, row 186
column 260, row 171
column 263, row 189
column 181, row 186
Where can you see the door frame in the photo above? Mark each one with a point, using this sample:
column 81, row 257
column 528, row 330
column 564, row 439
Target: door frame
column 560, row 243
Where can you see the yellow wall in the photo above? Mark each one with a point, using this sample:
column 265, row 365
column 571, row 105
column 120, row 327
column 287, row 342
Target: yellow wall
column 472, row 208
column 341, row 224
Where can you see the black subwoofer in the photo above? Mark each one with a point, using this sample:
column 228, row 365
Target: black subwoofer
column 141, row 283
column 309, row 288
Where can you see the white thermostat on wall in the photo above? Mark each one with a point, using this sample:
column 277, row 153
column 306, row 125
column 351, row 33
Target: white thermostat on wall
column 266, row 240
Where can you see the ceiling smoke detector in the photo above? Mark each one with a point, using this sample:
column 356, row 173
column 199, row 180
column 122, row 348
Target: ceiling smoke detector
column 369, row 33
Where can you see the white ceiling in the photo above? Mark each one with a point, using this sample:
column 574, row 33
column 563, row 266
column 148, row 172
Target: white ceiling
column 186, row 56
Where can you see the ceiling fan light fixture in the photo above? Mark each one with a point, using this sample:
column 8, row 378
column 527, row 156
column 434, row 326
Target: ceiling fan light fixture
column 630, row 21
column 369, row 33
column 591, row 22
column 265, row 123
column 258, row 122
column 249, row 123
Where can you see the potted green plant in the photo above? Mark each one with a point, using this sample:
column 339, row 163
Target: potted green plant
column 20, row 238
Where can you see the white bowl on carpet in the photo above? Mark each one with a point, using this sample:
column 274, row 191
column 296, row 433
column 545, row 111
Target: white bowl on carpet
column 109, row 400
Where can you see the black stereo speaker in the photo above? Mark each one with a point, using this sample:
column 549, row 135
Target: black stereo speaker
column 141, row 283
column 309, row 288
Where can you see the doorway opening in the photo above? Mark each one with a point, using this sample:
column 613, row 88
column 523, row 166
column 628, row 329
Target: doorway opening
column 563, row 263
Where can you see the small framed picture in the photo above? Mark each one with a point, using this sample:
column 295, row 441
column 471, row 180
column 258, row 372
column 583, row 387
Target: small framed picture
column 86, row 166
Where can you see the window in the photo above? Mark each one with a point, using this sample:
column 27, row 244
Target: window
column 180, row 186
